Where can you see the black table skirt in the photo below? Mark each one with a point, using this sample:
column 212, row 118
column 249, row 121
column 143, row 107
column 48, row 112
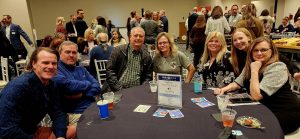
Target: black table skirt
column 197, row 122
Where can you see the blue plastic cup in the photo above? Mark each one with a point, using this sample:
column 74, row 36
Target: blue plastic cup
column 103, row 109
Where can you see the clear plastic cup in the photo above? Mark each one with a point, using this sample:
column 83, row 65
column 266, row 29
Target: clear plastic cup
column 228, row 116
column 222, row 101
column 153, row 86
column 109, row 97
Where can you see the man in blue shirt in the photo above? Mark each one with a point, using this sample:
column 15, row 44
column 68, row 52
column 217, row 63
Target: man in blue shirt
column 285, row 26
column 77, row 86
column 28, row 98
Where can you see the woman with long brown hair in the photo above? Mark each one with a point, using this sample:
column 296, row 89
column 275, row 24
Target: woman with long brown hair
column 198, row 38
column 251, row 22
column 241, row 40
column 266, row 80
column 217, row 22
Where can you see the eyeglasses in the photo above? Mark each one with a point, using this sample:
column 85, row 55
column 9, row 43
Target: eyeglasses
column 163, row 43
column 263, row 50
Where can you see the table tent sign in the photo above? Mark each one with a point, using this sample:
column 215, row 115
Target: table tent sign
column 169, row 90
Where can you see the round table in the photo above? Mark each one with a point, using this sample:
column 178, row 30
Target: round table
column 196, row 123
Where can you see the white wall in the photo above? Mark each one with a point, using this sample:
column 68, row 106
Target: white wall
column 291, row 7
column 44, row 12
column 280, row 12
column 19, row 12
column 264, row 4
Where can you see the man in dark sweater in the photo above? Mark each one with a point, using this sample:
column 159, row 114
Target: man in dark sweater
column 28, row 98
column 80, row 24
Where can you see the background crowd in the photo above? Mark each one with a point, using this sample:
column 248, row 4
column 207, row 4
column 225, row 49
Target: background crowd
column 252, row 63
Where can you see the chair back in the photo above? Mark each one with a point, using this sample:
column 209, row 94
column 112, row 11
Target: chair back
column 101, row 70
column 20, row 66
column 152, row 53
column 4, row 68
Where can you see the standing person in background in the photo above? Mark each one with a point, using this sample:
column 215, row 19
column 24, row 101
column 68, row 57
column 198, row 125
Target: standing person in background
column 150, row 27
column 6, row 48
column 217, row 22
column 13, row 33
column 155, row 17
column 80, row 24
column 60, row 25
column 267, row 21
column 243, row 7
column 227, row 15
column 191, row 22
column 134, row 21
column 205, row 13
column 93, row 24
column 70, row 26
column 128, row 27
column 101, row 27
column 164, row 19
column 109, row 27
column 235, row 17
column 7, row 51
column 198, row 38
column 251, row 22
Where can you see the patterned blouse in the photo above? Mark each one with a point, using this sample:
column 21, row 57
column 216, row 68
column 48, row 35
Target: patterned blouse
column 218, row 74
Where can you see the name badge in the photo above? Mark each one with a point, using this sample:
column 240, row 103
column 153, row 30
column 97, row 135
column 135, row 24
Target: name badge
column 13, row 33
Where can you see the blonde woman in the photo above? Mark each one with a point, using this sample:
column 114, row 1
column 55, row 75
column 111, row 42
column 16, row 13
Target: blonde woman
column 169, row 60
column 89, row 42
column 215, row 64
column 60, row 25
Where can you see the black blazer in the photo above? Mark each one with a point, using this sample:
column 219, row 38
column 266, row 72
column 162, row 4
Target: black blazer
column 69, row 27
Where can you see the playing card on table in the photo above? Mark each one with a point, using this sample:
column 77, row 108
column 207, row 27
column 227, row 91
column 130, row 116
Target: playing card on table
column 203, row 103
column 198, row 99
column 160, row 112
column 142, row 108
column 175, row 114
